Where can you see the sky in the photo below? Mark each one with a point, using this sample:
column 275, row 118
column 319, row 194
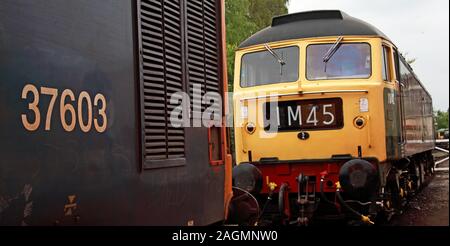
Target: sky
column 419, row 28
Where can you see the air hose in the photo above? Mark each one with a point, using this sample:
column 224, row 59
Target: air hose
column 272, row 187
column 364, row 218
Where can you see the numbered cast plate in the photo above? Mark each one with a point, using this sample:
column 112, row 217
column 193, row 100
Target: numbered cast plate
column 317, row 114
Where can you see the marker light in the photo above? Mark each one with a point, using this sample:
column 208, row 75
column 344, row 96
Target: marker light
column 359, row 122
column 250, row 128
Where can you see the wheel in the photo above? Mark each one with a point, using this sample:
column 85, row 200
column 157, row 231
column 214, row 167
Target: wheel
column 430, row 163
column 421, row 175
column 422, row 172
column 416, row 175
column 393, row 200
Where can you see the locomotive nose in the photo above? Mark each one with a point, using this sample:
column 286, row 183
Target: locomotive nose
column 359, row 179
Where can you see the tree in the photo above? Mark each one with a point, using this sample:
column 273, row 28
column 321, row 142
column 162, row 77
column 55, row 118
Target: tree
column 239, row 27
column 243, row 19
column 246, row 17
column 262, row 11
column 441, row 118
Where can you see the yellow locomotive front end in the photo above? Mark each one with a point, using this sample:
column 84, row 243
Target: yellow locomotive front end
column 317, row 120
column 319, row 115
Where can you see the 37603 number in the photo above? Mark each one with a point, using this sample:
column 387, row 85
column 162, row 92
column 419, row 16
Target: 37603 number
column 84, row 102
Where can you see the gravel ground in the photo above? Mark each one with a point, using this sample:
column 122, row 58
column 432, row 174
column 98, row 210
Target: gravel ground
column 430, row 206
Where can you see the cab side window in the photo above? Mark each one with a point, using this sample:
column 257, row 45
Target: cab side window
column 397, row 66
column 386, row 64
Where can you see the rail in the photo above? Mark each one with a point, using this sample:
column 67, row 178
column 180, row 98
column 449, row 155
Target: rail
column 441, row 141
column 442, row 144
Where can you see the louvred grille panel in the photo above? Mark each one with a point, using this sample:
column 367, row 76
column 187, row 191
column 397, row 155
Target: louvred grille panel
column 203, row 51
column 162, row 61
column 179, row 47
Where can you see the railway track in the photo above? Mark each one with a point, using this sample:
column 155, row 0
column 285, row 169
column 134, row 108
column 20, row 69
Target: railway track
column 441, row 155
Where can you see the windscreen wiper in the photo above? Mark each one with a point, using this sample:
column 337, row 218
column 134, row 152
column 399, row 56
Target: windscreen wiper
column 332, row 51
column 277, row 57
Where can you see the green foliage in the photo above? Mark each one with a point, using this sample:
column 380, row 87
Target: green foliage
column 238, row 26
column 246, row 17
column 262, row 11
column 441, row 118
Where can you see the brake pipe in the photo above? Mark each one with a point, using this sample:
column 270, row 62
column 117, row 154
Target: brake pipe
column 360, row 203
column 364, row 218
column 272, row 186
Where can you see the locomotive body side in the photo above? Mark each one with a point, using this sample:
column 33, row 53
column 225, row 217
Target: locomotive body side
column 76, row 117
column 417, row 113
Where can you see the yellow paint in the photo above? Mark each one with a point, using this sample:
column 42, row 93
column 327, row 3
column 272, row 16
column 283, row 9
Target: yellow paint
column 322, row 144
column 366, row 220
column 272, row 186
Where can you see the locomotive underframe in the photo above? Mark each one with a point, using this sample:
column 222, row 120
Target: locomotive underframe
column 318, row 202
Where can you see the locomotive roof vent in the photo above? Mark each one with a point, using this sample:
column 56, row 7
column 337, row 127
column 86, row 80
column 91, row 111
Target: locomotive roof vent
column 309, row 15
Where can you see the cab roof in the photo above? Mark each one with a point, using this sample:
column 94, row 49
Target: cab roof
column 321, row 23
